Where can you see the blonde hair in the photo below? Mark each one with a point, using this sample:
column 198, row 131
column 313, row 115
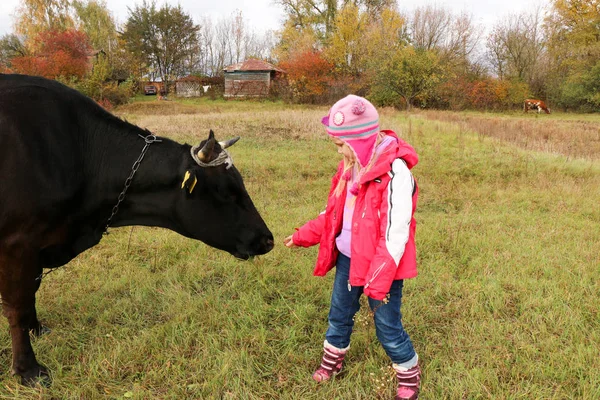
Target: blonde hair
column 350, row 163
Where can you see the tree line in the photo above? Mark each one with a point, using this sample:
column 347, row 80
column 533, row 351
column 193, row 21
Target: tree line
column 433, row 57
column 80, row 43
column 430, row 57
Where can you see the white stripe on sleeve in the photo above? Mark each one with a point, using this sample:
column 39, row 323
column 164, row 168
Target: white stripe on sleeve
column 400, row 192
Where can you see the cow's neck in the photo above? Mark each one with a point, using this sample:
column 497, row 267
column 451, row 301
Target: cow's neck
column 147, row 200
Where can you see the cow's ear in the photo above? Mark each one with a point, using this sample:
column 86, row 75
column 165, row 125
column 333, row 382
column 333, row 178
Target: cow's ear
column 189, row 181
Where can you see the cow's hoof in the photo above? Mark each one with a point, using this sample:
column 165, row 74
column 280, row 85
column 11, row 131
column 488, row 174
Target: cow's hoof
column 36, row 376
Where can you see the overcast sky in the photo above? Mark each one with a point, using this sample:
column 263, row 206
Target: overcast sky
column 262, row 15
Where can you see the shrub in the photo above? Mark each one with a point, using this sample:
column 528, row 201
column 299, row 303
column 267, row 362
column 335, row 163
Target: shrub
column 581, row 91
column 309, row 77
column 117, row 94
column 59, row 54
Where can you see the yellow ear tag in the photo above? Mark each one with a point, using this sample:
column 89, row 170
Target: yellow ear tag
column 185, row 178
column 193, row 184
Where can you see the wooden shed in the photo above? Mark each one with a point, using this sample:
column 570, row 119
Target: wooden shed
column 194, row 86
column 251, row 78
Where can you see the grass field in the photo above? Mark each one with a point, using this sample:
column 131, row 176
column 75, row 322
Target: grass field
column 505, row 306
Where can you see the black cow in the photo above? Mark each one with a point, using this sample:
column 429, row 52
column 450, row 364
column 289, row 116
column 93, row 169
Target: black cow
column 68, row 169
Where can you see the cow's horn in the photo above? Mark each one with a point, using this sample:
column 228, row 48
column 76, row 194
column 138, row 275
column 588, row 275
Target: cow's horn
column 229, row 143
column 205, row 152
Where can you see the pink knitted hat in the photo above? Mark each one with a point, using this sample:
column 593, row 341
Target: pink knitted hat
column 355, row 121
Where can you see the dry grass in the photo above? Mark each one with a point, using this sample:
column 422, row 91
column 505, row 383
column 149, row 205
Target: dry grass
column 158, row 108
column 559, row 134
column 188, row 122
column 505, row 306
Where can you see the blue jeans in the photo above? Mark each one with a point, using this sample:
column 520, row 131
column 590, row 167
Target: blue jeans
column 388, row 319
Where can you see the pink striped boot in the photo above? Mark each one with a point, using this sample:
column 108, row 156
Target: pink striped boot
column 331, row 364
column 408, row 382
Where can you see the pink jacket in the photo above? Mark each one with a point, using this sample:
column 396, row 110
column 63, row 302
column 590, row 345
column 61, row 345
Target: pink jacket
column 383, row 223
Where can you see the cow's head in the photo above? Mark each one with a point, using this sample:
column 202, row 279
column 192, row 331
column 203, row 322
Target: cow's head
column 228, row 219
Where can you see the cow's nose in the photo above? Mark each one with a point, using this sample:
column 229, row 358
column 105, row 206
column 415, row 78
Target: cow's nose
column 269, row 244
column 266, row 242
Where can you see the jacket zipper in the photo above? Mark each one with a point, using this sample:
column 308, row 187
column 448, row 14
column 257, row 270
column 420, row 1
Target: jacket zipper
column 377, row 271
column 363, row 215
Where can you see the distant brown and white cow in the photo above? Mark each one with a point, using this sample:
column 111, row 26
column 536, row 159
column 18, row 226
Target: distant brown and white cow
column 535, row 105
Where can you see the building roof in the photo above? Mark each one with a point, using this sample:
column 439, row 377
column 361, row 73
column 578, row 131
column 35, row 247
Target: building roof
column 252, row 64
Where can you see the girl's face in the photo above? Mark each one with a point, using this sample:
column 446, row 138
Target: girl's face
column 343, row 149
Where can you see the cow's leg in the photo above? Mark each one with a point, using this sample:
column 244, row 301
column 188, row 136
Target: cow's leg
column 18, row 285
column 35, row 327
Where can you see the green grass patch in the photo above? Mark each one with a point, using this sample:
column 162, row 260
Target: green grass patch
column 505, row 305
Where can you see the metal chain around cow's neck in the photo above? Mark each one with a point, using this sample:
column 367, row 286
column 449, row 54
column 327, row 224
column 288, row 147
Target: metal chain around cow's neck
column 149, row 140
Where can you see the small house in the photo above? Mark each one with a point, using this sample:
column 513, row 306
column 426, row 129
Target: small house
column 194, row 86
column 189, row 86
column 251, row 78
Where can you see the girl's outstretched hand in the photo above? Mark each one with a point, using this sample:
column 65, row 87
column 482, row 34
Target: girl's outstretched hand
column 288, row 242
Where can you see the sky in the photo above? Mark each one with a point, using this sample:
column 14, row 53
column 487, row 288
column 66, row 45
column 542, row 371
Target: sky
column 262, row 15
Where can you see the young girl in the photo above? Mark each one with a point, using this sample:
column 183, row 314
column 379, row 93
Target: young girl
column 367, row 232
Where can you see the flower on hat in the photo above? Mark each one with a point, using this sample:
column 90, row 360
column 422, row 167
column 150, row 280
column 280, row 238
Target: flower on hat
column 358, row 107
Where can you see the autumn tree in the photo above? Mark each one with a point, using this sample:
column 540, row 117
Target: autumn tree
column 94, row 18
column 429, row 27
column 309, row 75
column 406, row 72
column 36, row 16
column 299, row 54
column 515, row 46
column 389, row 29
column 347, row 47
column 581, row 90
column 293, row 39
column 321, row 17
column 316, row 15
column 11, row 46
column 374, row 8
column 59, row 54
column 497, row 55
column 386, row 33
column 163, row 38
column 383, row 36
column 463, row 41
column 454, row 37
column 573, row 32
